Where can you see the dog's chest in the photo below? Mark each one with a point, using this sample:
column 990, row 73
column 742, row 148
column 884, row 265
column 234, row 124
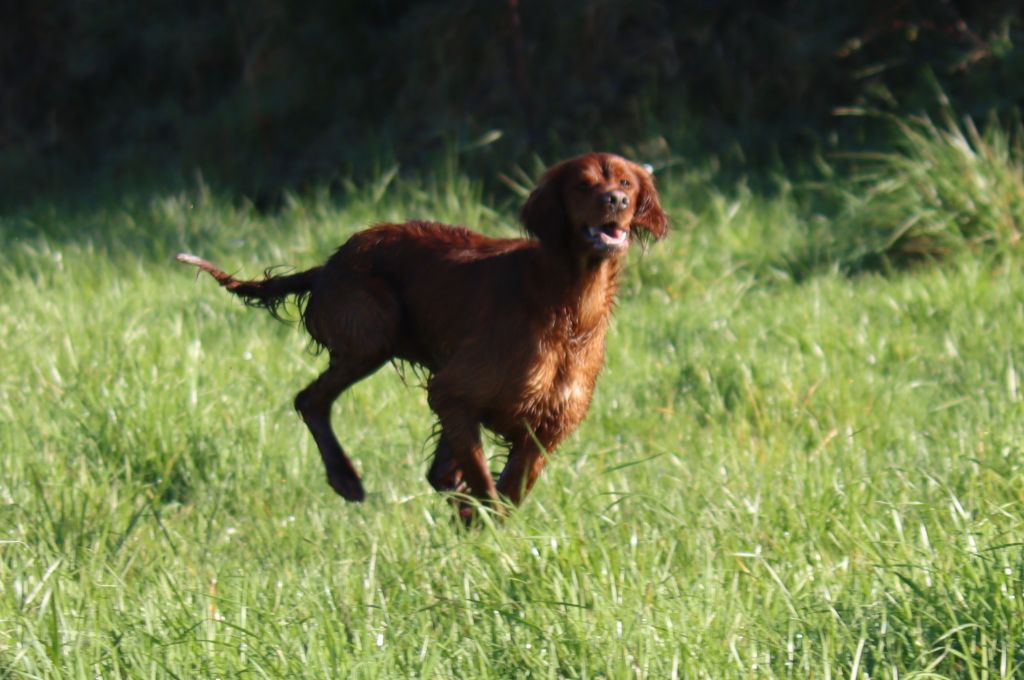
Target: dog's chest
column 562, row 380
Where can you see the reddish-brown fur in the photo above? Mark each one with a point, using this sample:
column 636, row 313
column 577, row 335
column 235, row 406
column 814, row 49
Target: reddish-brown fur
column 511, row 331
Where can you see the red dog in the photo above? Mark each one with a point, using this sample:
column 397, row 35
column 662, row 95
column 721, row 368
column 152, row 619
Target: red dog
column 511, row 330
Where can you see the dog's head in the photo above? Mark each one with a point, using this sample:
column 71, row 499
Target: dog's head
column 595, row 204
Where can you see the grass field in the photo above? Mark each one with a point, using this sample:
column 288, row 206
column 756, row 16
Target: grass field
column 781, row 476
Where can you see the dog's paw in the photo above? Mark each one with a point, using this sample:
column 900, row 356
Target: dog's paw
column 467, row 514
column 349, row 488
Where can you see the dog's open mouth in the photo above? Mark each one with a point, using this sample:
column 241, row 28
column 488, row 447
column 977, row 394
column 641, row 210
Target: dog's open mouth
column 609, row 236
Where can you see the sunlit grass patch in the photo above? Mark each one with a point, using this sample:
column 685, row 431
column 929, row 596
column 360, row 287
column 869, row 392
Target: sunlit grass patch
column 778, row 477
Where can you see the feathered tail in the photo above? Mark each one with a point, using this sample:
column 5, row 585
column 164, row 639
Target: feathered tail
column 268, row 293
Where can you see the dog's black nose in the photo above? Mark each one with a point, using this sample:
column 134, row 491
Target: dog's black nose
column 616, row 200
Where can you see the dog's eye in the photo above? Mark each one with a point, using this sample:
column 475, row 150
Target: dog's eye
column 583, row 186
column 624, row 183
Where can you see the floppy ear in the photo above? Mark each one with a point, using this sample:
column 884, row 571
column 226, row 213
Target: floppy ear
column 649, row 220
column 543, row 214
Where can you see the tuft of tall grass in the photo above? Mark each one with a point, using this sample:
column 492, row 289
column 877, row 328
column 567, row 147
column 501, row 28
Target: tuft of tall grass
column 944, row 187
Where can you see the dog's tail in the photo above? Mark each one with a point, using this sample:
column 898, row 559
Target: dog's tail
column 269, row 292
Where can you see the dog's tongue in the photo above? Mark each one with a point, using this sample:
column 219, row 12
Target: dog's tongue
column 607, row 236
column 610, row 233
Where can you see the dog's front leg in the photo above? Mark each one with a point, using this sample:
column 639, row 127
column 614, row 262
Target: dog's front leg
column 461, row 432
column 444, row 474
column 526, row 459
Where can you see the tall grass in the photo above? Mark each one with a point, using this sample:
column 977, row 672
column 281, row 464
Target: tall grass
column 777, row 478
column 945, row 187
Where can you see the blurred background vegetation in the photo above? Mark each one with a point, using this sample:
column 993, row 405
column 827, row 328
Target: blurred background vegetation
column 268, row 95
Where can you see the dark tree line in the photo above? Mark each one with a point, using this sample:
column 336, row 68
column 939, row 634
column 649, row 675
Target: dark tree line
column 271, row 93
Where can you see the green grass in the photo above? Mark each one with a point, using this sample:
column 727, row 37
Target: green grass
column 777, row 479
column 944, row 188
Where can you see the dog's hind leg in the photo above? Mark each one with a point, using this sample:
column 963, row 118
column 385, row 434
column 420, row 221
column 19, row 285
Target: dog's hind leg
column 356, row 320
column 314, row 404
